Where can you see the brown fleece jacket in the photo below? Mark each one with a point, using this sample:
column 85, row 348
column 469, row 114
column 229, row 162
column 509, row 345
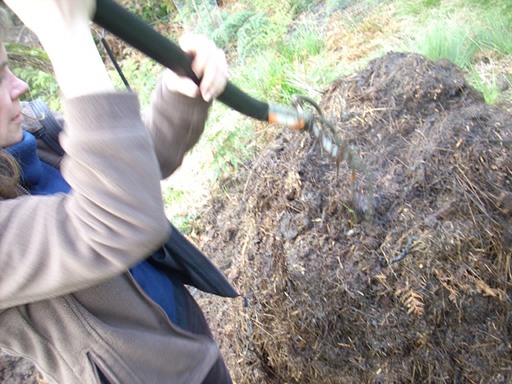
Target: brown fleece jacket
column 66, row 301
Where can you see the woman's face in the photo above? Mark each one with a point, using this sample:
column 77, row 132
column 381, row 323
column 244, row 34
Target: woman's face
column 11, row 88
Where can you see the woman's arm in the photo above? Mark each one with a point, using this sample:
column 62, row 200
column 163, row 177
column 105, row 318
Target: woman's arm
column 113, row 217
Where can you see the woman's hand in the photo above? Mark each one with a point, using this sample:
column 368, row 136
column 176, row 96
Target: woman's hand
column 208, row 63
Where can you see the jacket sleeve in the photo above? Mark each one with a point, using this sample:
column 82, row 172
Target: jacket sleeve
column 113, row 217
column 175, row 123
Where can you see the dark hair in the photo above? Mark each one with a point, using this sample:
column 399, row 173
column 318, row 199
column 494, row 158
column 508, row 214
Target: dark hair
column 9, row 175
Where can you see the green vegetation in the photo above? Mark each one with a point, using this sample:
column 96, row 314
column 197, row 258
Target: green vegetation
column 469, row 33
column 150, row 10
column 141, row 75
column 442, row 40
column 173, row 196
column 231, row 143
column 277, row 49
column 33, row 66
column 42, row 86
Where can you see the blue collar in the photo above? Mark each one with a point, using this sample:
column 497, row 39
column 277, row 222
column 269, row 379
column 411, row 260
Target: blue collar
column 37, row 177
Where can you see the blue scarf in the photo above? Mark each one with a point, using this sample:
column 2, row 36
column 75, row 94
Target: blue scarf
column 40, row 178
column 37, row 177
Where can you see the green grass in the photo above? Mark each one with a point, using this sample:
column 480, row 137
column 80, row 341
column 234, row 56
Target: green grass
column 336, row 5
column 176, row 197
column 226, row 35
column 460, row 36
column 501, row 7
column 418, row 7
column 495, row 33
column 231, row 142
column 277, row 73
column 445, row 40
column 490, row 90
column 301, row 44
column 299, row 6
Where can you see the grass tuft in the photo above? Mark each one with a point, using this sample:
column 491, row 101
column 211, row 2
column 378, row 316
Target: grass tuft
column 447, row 40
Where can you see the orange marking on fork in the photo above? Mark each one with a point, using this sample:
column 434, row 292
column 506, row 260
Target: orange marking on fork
column 298, row 124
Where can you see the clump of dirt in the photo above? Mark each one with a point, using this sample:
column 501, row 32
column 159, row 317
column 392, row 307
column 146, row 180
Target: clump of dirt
column 418, row 291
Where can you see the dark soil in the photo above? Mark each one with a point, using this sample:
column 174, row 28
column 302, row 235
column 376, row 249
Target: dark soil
column 413, row 286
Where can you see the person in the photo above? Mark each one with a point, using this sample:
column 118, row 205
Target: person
column 79, row 295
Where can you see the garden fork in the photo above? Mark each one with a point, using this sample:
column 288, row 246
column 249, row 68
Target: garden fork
column 144, row 38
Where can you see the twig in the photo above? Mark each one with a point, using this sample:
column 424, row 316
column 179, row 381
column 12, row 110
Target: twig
column 404, row 252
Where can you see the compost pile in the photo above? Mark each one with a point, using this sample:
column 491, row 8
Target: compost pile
column 415, row 288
